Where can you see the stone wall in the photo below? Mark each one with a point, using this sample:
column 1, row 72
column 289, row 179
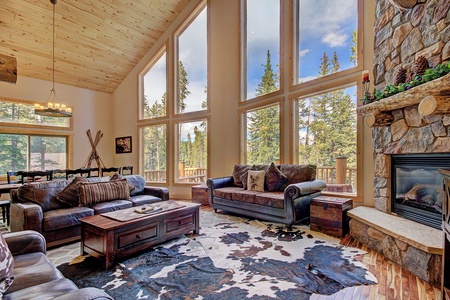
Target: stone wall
column 402, row 36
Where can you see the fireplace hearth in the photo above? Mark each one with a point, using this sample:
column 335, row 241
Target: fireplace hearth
column 417, row 186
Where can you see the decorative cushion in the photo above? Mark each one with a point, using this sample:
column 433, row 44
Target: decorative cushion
column 274, row 179
column 43, row 193
column 70, row 194
column 117, row 176
column 238, row 171
column 256, row 180
column 138, row 181
column 298, row 173
column 6, row 266
column 95, row 192
column 244, row 177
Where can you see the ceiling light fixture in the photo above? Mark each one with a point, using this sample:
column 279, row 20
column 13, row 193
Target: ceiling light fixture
column 53, row 108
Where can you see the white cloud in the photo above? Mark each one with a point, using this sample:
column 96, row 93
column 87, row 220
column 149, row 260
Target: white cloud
column 334, row 39
column 331, row 16
column 303, row 52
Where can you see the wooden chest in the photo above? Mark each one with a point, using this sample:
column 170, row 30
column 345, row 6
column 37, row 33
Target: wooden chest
column 200, row 194
column 329, row 215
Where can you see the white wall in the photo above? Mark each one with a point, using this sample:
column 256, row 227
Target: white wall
column 91, row 110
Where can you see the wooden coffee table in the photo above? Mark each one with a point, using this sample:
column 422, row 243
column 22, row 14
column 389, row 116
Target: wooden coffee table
column 110, row 239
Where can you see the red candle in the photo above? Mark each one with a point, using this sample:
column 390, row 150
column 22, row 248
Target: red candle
column 365, row 76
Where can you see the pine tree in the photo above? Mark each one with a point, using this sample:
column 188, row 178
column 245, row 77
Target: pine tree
column 354, row 48
column 263, row 141
column 183, row 90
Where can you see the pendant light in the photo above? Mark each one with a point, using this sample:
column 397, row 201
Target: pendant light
column 53, row 107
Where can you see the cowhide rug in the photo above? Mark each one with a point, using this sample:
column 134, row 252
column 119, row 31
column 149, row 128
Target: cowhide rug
column 244, row 260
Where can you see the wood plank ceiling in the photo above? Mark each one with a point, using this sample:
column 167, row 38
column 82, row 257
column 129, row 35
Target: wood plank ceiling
column 97, row 42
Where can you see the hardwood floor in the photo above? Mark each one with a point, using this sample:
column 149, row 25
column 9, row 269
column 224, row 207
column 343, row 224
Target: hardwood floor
column 394, row 282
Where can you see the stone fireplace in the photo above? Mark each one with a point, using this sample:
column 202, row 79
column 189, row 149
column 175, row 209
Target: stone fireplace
column 401, row 129
column 421, row 139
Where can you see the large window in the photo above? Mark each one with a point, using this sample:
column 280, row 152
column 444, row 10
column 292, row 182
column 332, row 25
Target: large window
column 320, row 103
column 20, row 152
column 192, row 62
column 262, row 47
column 325, row 32
column 327, row 137
column 192, row 151
column 175, row 107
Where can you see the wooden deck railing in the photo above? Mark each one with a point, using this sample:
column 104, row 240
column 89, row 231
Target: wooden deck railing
column 341, row 174
column 186, row 175
column 329, row 175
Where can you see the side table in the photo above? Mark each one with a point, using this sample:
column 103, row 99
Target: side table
column 329, row 215
column 200, row 194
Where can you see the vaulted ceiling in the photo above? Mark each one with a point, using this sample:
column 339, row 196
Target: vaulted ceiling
column 97, row 42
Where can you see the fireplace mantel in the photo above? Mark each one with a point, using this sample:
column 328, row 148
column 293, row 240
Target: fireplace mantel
column 432, row 97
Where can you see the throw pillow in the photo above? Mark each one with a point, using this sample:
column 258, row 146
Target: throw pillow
column 6, row 266
column 117, row 176
column 238, row 171
column 274, row 179
column 137, row 181
column 70, row 194
column 95, row 192
column 256, row 181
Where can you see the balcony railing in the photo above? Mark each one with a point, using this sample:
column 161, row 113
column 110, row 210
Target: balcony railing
column 340, row 175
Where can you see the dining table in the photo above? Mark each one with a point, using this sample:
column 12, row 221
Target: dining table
column 7, row 187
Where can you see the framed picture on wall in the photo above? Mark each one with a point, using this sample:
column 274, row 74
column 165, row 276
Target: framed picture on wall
column 123, row 144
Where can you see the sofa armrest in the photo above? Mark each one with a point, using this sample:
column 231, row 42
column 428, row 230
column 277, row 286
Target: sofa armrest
column 26, row 216
column 24, row 242
column 159, row 192
column 296, row 190
column 220, row 182
column 88, row 293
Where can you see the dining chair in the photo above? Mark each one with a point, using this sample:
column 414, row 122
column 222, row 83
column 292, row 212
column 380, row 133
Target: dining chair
column 83, row 172
column 95, row 172
column 14, row 177
column 127, row 170
column 108, row 171
column 59, row 174
column 31, row 176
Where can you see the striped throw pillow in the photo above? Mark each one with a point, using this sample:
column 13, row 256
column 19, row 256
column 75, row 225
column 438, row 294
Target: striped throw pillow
column 91, row 193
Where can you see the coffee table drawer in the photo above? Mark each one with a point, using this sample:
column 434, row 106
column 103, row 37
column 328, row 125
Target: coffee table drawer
column 180, row 222
column 137, row 235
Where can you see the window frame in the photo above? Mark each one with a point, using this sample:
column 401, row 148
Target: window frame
column 176, row 49
column 141, row 90
column 243, row 54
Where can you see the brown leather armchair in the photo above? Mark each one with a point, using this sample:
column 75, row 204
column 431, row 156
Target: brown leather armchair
column 35, row 275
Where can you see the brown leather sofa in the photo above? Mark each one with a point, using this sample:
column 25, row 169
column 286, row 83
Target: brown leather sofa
column 35, row 206
column 288, row 204
column 35, row 277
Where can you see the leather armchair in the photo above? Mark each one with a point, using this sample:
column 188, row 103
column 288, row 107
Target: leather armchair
column 36, row 277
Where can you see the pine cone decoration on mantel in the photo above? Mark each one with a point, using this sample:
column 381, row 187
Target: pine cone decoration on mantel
column 401, row 76
column 420, row 66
